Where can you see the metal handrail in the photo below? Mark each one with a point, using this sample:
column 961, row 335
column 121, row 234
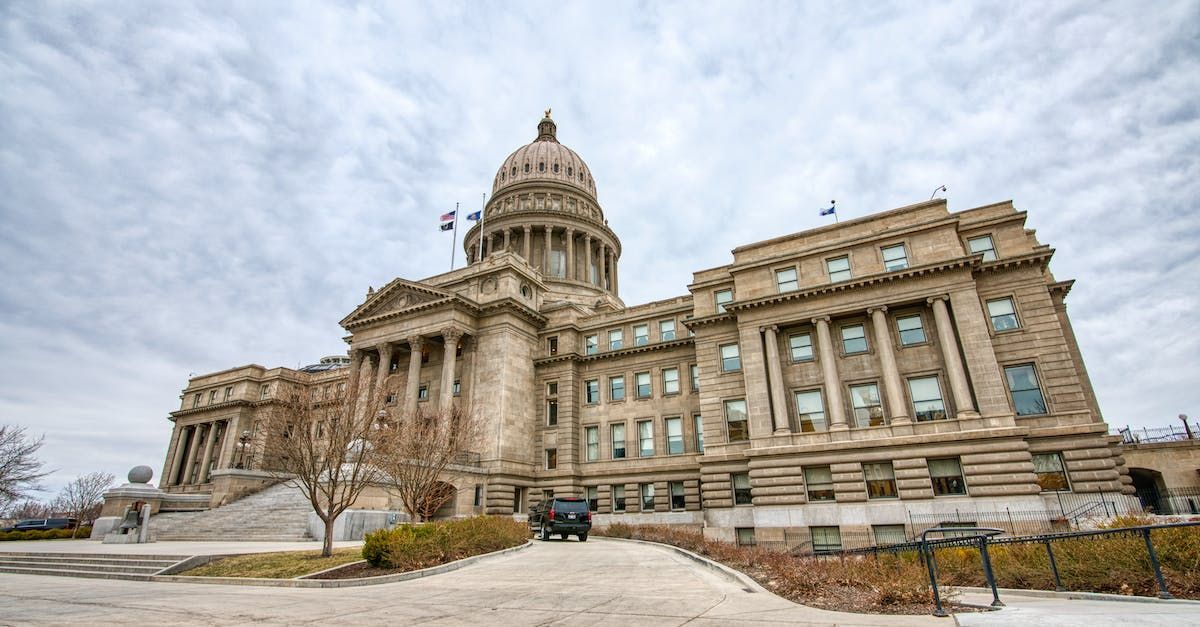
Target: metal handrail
column 982, row 534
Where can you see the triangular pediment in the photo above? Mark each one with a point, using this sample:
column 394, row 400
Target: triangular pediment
column 397, row 296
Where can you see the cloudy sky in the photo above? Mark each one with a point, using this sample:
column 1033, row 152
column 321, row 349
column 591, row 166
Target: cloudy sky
column 189, row 188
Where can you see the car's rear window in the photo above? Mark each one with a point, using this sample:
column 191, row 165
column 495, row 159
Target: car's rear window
column 570, row 506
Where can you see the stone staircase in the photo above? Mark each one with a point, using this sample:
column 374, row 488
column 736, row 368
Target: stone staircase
column 95, row 565
column 276, row 514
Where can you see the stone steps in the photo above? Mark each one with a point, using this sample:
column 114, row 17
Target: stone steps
column 276, row 514
column 139, row 567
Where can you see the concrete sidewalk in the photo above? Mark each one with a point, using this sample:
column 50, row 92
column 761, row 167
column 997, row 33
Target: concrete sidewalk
column 1023, row 609
column 161, row 548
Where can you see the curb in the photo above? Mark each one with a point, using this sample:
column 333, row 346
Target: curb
column 338, row 583
column 736, row 576
column 1080, row 596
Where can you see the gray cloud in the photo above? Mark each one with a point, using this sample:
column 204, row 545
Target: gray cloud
column 189, row 188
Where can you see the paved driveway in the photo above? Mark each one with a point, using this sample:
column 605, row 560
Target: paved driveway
column 594, row 583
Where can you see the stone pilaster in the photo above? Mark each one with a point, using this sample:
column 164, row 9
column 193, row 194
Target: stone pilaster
column 206, row 458
column 548, row 246
column 507, row 239
column 897, row 408
column 779, row 413
column 570, row 269
column 414, row 375
column 603, row 266
column 526, row 243
column 449, row 354
column 587, row 257
column 833, row 384
column 386, row 351
column 491, row 247
column 754, row 372
column 961, row 390
column 973, row 324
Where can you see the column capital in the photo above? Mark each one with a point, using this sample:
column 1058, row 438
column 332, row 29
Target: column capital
column 819, row 319
column 770, row 327
column 528, row 228
column 549, row 227
column 587, row 236
column 879, row 308
column 451, row 335
column 415, row 342
column 570, row 231
column 933, row 299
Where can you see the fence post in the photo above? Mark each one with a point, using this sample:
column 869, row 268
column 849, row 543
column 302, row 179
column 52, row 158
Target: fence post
column 1054, row 568
column 927, row 553
column 1163, row 593
column 987, row 571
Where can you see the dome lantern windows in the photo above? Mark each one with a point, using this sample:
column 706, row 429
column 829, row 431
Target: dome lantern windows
column 555, row 168
column 527, row 168
column 541, row 166
column 570, row 171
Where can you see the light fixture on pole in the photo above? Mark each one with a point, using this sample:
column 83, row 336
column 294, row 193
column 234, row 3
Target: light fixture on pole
column 940, row 188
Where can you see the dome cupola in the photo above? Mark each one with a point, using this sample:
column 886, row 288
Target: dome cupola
column 544, row 159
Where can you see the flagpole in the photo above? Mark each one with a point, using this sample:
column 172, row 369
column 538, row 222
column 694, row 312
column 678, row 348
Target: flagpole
column 454, row 238
column 482, row 217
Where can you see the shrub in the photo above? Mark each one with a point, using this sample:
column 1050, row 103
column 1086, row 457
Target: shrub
column 51, row 534
column 412, row 547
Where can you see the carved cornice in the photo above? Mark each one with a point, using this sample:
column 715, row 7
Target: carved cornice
column 1039, row 258
column 632, row 350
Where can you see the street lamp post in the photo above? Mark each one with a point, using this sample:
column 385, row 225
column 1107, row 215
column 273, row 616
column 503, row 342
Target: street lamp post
column 243, row 443
column 1186, row 427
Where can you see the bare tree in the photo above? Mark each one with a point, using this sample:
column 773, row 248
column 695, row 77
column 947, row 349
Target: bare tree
column 319, row 446
column 30, row 508
column 20, row 469
column 415, row 451
column 81, row 499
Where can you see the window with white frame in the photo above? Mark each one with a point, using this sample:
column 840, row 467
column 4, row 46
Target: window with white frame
column 736, row 421
column 982, row 244
column 894, row 258
column 616, row 388
column 839, row 269
column 666, row 330
column 854, row 339
column 741, row 489
column 868, row 410
column 647, row 490
column 642, row 380
column 912, row 331
column 731, row 359
column 591, row 436
column 811, row 411
column 947, row 478
column 787, row 280
column 618, row 441
column 591, row 344
column 229, row 393
column 591, row 391
column 645, row 438
column 695, row 372
column 881, row 480
column 641, row 334
column 618, row 498
column 927, row 399
column 1026, row 393
column 722, row 298
column 616, row 339
column 801, row 346
column 819, row 481
column 677, row 496
column 670, row 380
column 699, row 426
column 674, row 428
column 1003, row 314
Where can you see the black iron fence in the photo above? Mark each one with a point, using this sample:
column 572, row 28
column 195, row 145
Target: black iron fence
column 1175, row 501
column 1146, row 435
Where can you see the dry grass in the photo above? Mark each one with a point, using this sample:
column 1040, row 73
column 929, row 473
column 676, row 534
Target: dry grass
column 285, row 565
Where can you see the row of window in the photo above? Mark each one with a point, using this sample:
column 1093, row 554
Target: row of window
column 554, row 167
column 645, row 495
column 667, row 331
column 643, row 386
column 212, row 396
column 825, row 539
column 645, row 444
column 423, row 392
column 895, row 257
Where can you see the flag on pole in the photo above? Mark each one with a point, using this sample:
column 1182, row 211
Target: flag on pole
column 447, row 226
column 832, row 210
column 475, row 217
column 449, row 216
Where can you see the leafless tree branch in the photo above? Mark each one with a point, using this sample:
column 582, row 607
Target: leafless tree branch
column 20, row 469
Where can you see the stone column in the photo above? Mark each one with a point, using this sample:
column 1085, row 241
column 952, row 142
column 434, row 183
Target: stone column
column 525, row 242
column 833, row 384
column 571, row 255
column 754, row 371
column 414, row 375
column 974, row 332
column 225, row 460
column 352, row 382
column 896, row 406
column 193, row 449
column 587, row 258
column 779, row 412
column 385, row 368
column 449, row 353
column 546, row 250
column 177, row 460
column 362, row 393
column 507, row 238
column 614, row 272
column 954, row 367
column 206, row 458
column 603, row 266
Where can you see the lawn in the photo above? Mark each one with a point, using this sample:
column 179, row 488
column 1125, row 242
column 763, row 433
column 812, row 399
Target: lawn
column 286, row 565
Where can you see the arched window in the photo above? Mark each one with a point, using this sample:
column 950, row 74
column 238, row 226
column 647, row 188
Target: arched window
column 555, row 168
column 541, row 166
column 527, row 168
column 570, row 171
column 514, row 171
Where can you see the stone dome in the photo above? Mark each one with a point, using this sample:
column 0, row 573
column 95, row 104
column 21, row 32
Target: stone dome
column 544, row 159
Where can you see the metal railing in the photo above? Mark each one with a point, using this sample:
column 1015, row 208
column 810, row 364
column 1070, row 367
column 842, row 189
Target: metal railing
column 1146, row 435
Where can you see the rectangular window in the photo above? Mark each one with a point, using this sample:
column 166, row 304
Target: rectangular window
column 868, row 412
column 731, row 359
column 695, row 371
column 801, row 346
column 645, row 438
column 881, row 480
column 552, row 389
column 551, row 458
column 736, row 422
column 677, row 499
column 616, row 338
column 787, row 280
column 641, row 334
column 839, row 269
column 927, row 399
column 647, row 490
column 196, row 399
column 591, row 344
column 1003, row 314
column 618, row 441
column 552, row 345
column 722, row 297
column 674, row 428
column 212, row 397
column 666, row 330
column 670, row 380
column 745, row 536
column 946, row 475
column 616, row 388
column 518, row 500
column 423, row 392
column 811, row 410
column 457, row 389
column 854, row 339
column 478, row 502
column 1051, row 473
column 699, row 432
column 826, row 539
column 618, row 498
column 741, row 489
column 263, row 392
column 229, row 393
column 642, row 379
column 889, row 534
column 982, row 244
column 819, row 480
column 1026, row 394
column 591, row 391
column 911, row 330
column 894, row 258
column 591, row 436
column 552, row 413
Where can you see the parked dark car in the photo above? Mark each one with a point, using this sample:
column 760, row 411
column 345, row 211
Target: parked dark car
column 43, row 524
column 563, row 516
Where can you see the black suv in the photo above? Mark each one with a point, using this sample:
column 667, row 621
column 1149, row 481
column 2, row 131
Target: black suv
column 43, row 524
column 562, row 515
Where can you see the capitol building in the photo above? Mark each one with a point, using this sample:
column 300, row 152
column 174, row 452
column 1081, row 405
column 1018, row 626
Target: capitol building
column 914, row 364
